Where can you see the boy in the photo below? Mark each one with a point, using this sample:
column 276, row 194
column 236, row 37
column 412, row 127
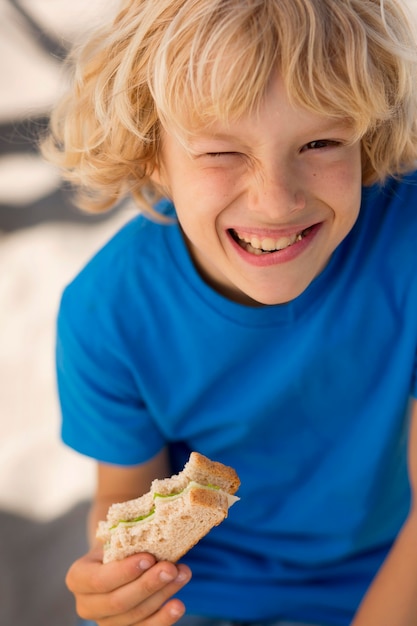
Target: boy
column 267, row 318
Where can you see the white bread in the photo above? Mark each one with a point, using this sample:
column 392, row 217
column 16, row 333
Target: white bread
column 177, row 512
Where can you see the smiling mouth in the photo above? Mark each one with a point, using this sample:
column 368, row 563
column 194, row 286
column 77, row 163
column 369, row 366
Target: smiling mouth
column 267, row 245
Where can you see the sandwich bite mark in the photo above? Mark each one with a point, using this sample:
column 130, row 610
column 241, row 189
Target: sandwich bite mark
column 174, row 515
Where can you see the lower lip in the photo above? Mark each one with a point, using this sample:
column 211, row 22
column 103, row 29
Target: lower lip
column 280, row 256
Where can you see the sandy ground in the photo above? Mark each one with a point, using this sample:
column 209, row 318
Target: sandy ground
column 44, row 487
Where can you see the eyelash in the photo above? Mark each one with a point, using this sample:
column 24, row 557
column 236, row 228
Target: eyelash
column 317, row 144
column 321, row 144
column 220, row 154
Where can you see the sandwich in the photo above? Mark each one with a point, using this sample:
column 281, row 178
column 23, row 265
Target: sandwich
column 174, row 515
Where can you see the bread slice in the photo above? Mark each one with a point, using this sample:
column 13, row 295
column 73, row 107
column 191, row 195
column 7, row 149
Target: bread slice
column 174, row 515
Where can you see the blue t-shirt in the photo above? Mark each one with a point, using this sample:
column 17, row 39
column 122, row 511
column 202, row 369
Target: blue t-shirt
column 307, row 400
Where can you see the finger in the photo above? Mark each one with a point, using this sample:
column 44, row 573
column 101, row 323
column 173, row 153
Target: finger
column 137, row 600
column 158, row 591
column 89, row 575
column 170, row 613
column 167, row 615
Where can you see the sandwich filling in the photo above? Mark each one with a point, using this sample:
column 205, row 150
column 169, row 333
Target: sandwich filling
column 145, row 517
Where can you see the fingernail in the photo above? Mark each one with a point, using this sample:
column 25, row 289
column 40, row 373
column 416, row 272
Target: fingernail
column 144, row 564
column 166, row 577
column 181, row 577
column 176, row 611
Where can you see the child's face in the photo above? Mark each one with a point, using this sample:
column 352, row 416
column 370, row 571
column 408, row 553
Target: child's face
column 285, row 180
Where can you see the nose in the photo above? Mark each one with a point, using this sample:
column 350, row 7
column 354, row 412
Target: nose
column 277, row 191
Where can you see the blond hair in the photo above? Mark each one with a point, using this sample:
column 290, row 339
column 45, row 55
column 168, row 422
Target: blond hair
column 185, row 63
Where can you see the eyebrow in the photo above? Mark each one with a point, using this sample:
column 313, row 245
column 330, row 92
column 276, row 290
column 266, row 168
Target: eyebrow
column 195, row 144
column 203, row 142
column 328, row 127
column 213, row 137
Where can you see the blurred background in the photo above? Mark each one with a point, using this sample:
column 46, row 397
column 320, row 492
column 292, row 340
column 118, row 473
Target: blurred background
column 44, row 241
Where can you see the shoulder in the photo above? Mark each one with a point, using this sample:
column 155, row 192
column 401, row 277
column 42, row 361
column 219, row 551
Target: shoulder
column 137, row 248
column 139, row 243
column 119, row 254
column 386, row 234
column 399, row 195
column 389, row 213
column 120, row 280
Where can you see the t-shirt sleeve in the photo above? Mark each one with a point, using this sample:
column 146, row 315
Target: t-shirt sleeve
column 103, row 415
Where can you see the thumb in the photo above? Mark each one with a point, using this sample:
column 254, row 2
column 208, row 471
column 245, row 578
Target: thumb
column 89, row 575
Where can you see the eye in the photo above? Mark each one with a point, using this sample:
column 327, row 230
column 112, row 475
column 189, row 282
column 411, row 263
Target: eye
column 215, row 155
column 319, row 144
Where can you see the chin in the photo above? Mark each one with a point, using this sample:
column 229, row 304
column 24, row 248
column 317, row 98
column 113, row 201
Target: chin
column 272, row 298
column 262, row 299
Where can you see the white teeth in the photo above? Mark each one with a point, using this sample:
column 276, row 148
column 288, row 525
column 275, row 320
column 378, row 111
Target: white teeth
column 284, row 242
column 256, row 251
column 268, row 244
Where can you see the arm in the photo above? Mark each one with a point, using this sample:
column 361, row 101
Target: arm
column 135, row 589
column 392, row 597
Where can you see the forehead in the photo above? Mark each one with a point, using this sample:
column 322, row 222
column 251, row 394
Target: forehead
column 218, row 67
column 275, row 115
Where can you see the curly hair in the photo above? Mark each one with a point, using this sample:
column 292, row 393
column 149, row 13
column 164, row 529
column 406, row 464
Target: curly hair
column 181, row 64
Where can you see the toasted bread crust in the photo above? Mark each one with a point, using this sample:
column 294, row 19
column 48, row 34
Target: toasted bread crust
column 176, row 524
column 204, row 471
column 201, row 470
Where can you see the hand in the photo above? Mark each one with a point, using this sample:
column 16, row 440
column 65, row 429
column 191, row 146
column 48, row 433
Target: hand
column 132, row 592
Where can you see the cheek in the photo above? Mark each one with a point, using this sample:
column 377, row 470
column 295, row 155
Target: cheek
column 345, row 184
column 352, row 190
column 215, row 188
column 206, row 196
